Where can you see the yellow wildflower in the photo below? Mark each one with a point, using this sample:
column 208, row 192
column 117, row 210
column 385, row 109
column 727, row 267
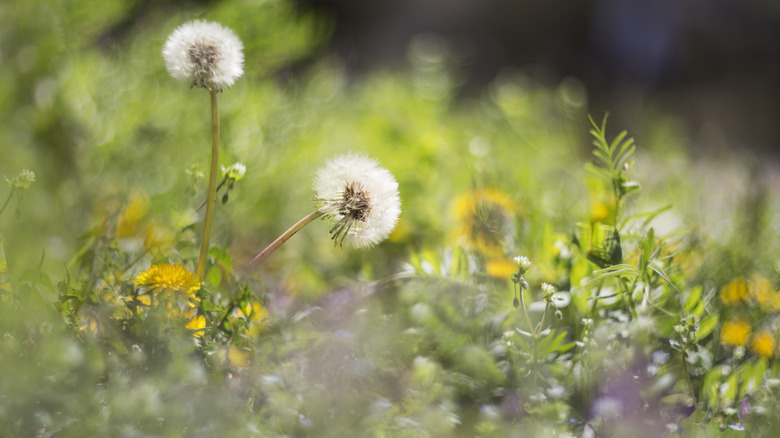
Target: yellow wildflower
column 735, row 332
column 255, row 314
column 168, row 277
column 232, row 356
column 171, row 285
column 763, row 344
column 501, row 268
column 601, row 200
column 5, row 285
column 158, row 238
column 131, row 215
column 734, row 292
column 485, row 221
column 760, row 289
column 197, row 325
column 88, row 324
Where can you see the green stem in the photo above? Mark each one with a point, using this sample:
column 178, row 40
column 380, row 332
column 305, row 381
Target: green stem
column 688, row 377
column 212, row 193
column 541, row 323
column 222, row 183
column 283, row 238
column 7, row 200
column 527, row 318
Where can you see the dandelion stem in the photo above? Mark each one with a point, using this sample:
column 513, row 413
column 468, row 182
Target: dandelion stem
column 7, row 200
column 283, row 238
column 212, row 193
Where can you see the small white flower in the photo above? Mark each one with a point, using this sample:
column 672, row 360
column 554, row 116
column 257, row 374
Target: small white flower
column 235, row 171
column 204, row 54
column 361, row 196
column 522, row 262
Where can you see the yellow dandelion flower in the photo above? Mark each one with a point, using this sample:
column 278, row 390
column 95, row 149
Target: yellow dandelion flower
column 146, row 300
column 255, row 315
column 88, row 324
column 197, row 325
column 158, row 237
column 485, row 220
column 232, row 356
column 761, row 291
column 169, row 286
column 601, row 200
column 763, row 344
column 734, row 292
column 131, row 215
column 500, row 269
column 168, row 277
column 735, row 332
column 599, row 212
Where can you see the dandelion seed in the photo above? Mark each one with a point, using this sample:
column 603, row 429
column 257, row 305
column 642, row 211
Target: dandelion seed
column 204, row 54
column 361, row 197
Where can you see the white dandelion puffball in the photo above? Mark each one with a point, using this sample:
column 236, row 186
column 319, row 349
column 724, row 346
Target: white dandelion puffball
column 361, row 196
column 205, row 55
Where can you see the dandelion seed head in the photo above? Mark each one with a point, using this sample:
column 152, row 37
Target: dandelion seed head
column 204, row 54
column 361, row 196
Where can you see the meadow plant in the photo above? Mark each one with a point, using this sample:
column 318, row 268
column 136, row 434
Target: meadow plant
column 18, row 184
column 206, row 55
column 632, row 319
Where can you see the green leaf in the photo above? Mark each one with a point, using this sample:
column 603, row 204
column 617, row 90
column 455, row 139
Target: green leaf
column 208, row 306
column 706, row 326
column 694, row 298
column 659, row 270
column 629, row 187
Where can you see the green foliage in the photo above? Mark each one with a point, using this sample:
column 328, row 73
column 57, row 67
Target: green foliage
column 640, row 315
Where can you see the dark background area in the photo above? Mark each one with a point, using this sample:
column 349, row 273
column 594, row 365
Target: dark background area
column 714, row 64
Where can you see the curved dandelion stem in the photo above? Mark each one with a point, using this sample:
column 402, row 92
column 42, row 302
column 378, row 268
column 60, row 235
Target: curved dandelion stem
column 212, row 193
column 283, row 238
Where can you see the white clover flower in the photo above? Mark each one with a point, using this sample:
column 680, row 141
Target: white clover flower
column 361, row 196
column 204, row 54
